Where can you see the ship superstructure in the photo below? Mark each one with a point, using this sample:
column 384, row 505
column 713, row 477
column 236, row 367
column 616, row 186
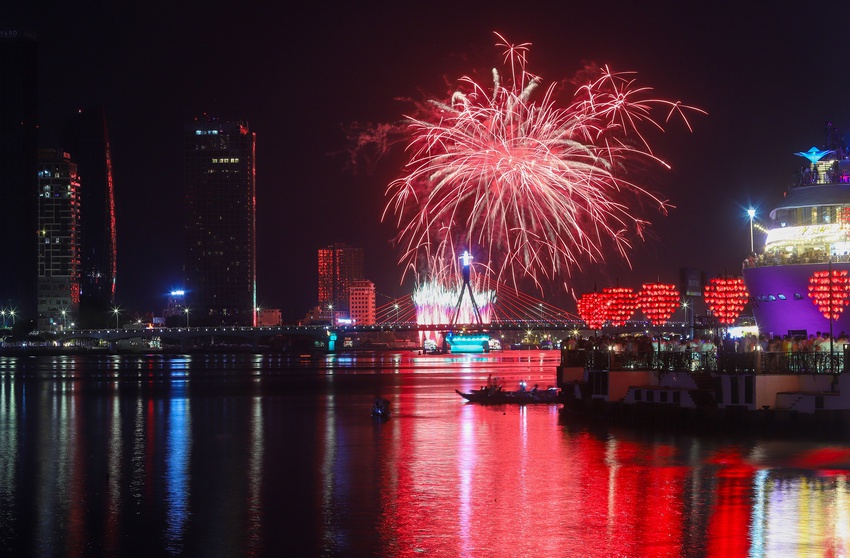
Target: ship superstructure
column 809, row 232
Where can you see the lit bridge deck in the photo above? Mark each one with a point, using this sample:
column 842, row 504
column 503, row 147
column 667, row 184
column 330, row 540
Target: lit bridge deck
column 318, row 331
column 259, row 335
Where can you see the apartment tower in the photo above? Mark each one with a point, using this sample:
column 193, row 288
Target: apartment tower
column 339, row 266
column 58, row 240
column 220, row 202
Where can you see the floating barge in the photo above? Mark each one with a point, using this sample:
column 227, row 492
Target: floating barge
column 709, row 393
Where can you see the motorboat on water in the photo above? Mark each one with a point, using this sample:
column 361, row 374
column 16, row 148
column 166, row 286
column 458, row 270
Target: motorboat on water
column 381, row 409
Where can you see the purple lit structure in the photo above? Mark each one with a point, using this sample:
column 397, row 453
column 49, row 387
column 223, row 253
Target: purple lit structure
column 809, row 232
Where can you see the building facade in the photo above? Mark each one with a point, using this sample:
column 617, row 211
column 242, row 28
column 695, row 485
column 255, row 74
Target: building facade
column 267, row 317
column 362, row 302
column 220, row 260
column 18, row 153
column 339, row 266
column 58, row 240
column 86, row 138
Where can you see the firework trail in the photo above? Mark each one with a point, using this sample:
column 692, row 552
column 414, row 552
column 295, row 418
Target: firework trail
column 530, row 188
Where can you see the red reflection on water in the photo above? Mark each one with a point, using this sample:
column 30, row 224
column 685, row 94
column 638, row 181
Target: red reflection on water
column 636, row 496
column 729, row 523
column 496, row 481
column 663, row 518
column 823, row 458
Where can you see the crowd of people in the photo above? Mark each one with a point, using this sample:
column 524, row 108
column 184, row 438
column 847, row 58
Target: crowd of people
column 816, row 343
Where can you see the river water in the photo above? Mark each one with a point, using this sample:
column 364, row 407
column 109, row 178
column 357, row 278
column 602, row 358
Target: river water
column 258, row 455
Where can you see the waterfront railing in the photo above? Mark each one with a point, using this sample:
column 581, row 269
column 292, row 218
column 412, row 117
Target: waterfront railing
column 754, row 362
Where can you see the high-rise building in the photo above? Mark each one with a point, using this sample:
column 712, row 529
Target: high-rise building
column 339, row 266
column 58, row 240
column 219, row 172
column 175, row 312
column 86, row 139
column 18, row 152
column 362, row 302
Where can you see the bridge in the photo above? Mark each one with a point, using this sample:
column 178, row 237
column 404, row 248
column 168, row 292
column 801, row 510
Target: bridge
column 255, row 334
column 283, row 335
column 514, row 312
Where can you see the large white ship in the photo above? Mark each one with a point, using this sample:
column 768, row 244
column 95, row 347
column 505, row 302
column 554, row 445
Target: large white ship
column 809, row 232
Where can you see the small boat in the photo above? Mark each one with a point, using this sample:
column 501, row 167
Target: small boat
column 497, row 396
column 381, row 409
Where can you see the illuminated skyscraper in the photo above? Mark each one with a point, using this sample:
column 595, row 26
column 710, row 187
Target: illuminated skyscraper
column 58, row 240
column 339, row 266
column 18, row 151
column 219, row 172
column 86, row 139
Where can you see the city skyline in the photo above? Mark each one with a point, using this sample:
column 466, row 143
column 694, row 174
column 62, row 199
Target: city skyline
column 301, row 77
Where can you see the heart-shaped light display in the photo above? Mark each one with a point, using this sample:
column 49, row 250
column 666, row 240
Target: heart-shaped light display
column 828, row 291
column 622, row 303
column 592, row 307
column 658, row 301
column 726, row 297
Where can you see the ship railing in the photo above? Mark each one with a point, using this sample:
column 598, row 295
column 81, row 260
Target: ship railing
column 602, row 360
column 754, row 362
column 803, row 362
column 830, row 176
column 769, row 260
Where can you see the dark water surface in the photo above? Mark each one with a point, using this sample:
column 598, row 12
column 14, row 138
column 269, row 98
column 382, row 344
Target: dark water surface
column 256, row 455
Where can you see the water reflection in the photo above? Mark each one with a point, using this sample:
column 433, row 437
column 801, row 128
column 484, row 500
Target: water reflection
column 257, row 455
column 177, row 449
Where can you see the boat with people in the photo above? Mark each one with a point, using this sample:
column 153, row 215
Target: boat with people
column 807, row 241
column 493, row 394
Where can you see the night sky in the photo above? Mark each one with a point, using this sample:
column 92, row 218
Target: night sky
column 300, row 73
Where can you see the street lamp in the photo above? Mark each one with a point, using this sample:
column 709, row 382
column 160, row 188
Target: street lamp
column 752, row 213
column 116, row 311
column 396, row 313
column 64, row 319
column 12, row 313
column 186, row 311
column 331, row 312
column 3, row 313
